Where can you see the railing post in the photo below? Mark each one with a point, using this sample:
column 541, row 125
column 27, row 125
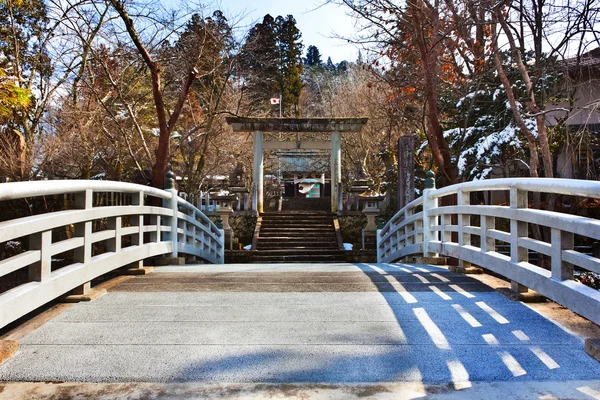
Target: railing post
column 137, row 199
column 41, row 270
column 487, row 243
column 220, row 255
column 377, row 243
column 561, row 240
column 115, row 223
column 84, row 229
column 138, row 220
column 428, row 222
column 518, row 229
column 464, row 239
column 172, row 204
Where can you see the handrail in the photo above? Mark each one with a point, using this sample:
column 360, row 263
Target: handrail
column 572, row 187
column 95, row 237
column 186, row 204
column 410, row 206
column 19, row 190
column 469, row 233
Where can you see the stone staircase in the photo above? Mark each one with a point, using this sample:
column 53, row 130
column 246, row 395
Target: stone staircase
column 297, row 236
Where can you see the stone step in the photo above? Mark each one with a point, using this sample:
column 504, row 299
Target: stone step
column 298, row 258
column 326, row 221
column 295, row 245
column 298, row 252
column 298, row 226
column 296, row 216
column 293, row 250
column 298, row 212
column 299, row 239
column 297, row 220
column 288, row 235
column 303, row 228
column 306, row 229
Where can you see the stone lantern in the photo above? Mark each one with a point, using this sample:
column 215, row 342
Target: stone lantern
column 237, row 186
column 224, row 211
column 371, row 210
column 242, row 195
column 356, row 190
column 361, row 184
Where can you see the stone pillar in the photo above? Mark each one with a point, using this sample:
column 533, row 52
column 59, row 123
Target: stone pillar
column 258, row 173
column 406, row 171
column 336, row 169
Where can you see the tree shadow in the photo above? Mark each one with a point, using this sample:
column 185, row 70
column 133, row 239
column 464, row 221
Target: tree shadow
column 460, row 332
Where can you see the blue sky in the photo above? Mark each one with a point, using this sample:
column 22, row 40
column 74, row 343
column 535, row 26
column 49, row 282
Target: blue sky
column 318, row 25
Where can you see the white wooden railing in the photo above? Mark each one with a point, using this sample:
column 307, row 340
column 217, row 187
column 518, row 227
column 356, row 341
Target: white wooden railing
column 425, row 227
column 93, row 231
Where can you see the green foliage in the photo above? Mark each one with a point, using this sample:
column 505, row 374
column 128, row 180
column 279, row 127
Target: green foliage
column 23, row 26
column 12, row 97
column 23, row 30
column 271, row 65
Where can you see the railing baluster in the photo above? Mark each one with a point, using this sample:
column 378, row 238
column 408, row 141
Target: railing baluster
column 41, row 270
column 446, row 234
column 464, row 239
column 518, row 199
column 137, row 199
column 114, row 244
column 463, row 199
column 84, row 201
column 561, row 240
column 487, row 243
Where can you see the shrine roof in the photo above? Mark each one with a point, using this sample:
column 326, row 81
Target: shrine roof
column 252, row 124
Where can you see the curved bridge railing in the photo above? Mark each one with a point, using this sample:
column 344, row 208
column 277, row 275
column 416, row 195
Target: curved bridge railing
column 472, row 233
column 101, row 226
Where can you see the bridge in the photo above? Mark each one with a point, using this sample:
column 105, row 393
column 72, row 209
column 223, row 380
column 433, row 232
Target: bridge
column 401, row 326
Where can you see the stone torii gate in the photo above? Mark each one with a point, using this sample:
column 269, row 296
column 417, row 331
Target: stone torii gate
column 333, row 126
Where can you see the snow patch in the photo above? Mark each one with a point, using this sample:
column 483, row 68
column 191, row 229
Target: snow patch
column 469, row 97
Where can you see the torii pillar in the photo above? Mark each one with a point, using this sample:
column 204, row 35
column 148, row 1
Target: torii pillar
column 258, row 171
column 336, row 169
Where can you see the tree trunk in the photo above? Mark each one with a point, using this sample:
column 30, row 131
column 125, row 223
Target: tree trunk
column 429, row 54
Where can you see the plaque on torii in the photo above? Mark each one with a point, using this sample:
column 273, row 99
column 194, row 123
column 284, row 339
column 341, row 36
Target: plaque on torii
column 334, row 126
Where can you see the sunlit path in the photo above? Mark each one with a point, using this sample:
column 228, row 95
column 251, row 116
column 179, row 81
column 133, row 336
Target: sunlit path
column 302, row 323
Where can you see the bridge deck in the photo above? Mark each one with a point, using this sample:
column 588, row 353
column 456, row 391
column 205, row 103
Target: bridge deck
column 300, row 323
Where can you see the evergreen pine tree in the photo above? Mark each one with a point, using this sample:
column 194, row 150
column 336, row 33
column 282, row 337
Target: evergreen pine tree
column 260, row 65
column 313, row 57
column 290, row 49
